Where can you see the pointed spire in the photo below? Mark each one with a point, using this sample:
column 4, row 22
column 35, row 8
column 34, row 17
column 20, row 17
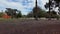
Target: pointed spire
column 36, row 3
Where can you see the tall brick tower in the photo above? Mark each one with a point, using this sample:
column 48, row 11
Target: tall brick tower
column 36, row 4
column 36, row 10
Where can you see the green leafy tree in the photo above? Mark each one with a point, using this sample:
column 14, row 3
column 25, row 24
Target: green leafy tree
column 52, row 14
column 19, row 14
column 30, row 14
column 41, row 13
column 50, row 5
column 1, row 14
column 11, row 12
column 57, row 4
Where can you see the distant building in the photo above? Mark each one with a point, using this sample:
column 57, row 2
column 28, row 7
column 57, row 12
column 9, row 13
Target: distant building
column 5, row 16
column 36, row 9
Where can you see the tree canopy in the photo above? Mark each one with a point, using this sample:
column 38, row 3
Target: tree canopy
column 13, row 12
column 51, row 5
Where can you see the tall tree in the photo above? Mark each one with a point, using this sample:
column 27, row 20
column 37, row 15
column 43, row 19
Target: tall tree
column 30, row 14
column 53, row 4
column 57, row 4
column 1, row 14
column 19, row 14
column 11, row 12
column 48, row 6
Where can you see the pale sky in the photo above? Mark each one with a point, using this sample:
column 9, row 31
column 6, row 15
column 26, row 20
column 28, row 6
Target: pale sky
column 25, row 6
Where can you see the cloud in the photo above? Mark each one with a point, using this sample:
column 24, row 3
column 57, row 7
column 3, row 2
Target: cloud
column 24, row 5
column 41, row 3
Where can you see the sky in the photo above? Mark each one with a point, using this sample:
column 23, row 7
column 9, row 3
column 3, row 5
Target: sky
column 25, row 6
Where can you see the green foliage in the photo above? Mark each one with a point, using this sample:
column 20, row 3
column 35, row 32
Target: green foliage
column 39, row 13
column 11, row 12
column 19, row 14
column 1, row 14
column 24, row 16
column 30, row 14
column 51, row 15
column 50, row 5
column 57, row 1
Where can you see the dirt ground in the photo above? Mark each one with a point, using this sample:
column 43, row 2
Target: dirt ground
column 30, row 27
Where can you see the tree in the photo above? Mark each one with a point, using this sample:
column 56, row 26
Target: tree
column 48, row 6
column 30, row 14
column 41, row 13
column 57, row 4
column 53, row 13
column 11, row 12
column 19, row 14
column 51, row 4
column 1, row 14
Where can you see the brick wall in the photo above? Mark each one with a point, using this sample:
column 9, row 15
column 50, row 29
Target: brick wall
column 5, row 16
